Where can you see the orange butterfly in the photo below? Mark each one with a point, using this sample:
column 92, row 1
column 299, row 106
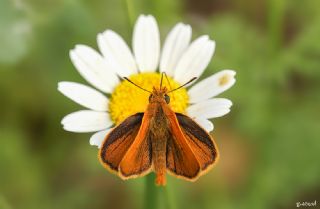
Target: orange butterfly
column 158, row 140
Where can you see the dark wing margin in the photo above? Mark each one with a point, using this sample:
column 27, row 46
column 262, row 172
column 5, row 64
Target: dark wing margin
column 199, row 141
column 118, row 141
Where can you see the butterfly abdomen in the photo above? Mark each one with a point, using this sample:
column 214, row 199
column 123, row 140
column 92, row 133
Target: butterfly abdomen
column 158, row 136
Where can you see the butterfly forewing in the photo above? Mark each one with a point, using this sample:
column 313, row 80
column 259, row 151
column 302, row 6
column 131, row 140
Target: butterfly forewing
column 199, row 141
column 181, row 160
column 118, row 141
column 138, row 159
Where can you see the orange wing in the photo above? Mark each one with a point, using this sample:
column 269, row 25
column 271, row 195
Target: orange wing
column 118, row 141
column 199, row 140
column 181, row 160
column 138, row 159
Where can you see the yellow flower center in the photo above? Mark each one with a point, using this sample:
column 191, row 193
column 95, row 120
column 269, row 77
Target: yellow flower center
column 128, row 99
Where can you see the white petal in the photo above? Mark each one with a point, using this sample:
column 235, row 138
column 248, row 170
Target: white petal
column 94, row 68
column 115, row 49
column 204, row 123
column 97, row 138
column 212, row 86
column 195, row 59
column 84, row 95
column 211, row 108
column 86, row 121
column 146, row 43
column 175, row 44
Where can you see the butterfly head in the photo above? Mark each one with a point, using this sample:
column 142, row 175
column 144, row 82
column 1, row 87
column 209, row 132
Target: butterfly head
column 159, row 95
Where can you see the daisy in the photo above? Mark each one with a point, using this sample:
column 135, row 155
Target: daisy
column 115, row 99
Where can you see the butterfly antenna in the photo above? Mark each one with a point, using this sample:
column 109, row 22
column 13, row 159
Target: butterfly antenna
column 161, row 79
column 137, row 85
column 192, row 79
column 165, row 75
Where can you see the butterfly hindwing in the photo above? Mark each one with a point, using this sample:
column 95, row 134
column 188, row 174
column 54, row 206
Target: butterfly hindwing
column 199, row 140
column 118, row 141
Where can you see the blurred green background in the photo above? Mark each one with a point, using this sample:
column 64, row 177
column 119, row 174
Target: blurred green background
column 269, row 142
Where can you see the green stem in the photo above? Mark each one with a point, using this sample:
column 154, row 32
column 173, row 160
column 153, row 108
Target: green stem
column 151, row 193
column 130, row 12
column 275, row 24
column 156, row 196
column 169, row 203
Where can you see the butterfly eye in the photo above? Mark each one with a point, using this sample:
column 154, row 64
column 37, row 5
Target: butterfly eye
column 167, row 98
column 150, row 97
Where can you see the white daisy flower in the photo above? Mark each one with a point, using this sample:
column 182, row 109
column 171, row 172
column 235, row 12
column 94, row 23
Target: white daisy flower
column 180, row 58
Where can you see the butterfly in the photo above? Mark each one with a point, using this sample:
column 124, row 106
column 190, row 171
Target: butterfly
column 158, row 140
